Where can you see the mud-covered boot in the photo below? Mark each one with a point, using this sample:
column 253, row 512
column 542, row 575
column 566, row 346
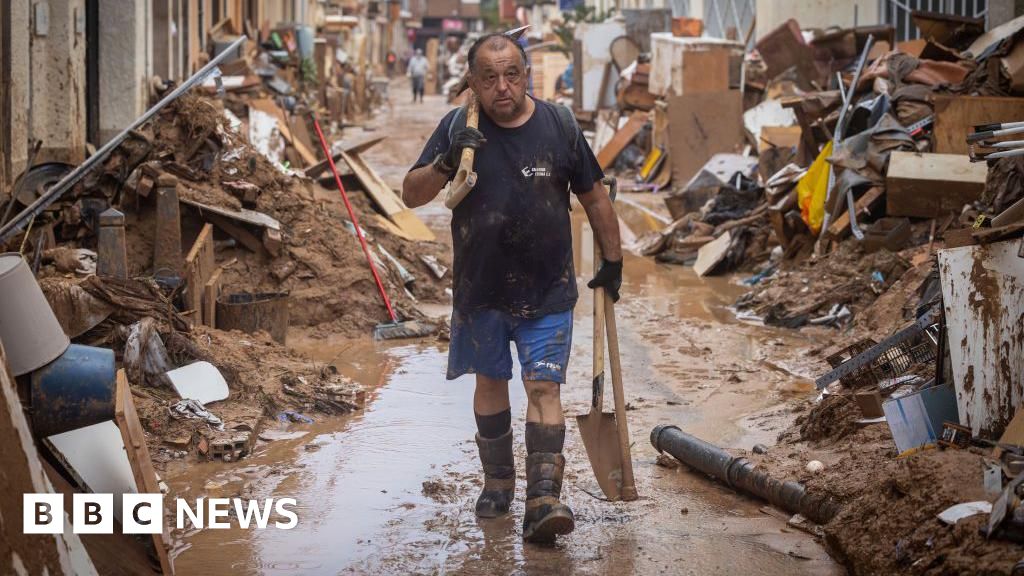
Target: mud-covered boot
column 545, row 516
column 499, row 475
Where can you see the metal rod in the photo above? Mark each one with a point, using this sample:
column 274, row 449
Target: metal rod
column 57, row 190
column 837, row 137
column 741, row 474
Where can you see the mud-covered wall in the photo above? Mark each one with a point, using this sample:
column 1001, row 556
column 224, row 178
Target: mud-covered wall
column 57, row 78
column 124, row 64
column 14, row 74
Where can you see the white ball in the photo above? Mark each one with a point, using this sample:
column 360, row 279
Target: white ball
column 815, row 466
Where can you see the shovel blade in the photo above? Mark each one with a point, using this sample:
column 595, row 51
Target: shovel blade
column 601, row 440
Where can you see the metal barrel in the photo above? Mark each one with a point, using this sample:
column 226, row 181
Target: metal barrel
column 74, row 391
column 741, row 474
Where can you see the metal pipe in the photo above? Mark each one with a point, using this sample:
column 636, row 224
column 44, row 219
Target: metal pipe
column 57, row 190
column 741, row 474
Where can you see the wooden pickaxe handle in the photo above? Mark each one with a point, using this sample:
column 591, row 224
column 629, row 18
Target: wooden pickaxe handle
column 465, row 178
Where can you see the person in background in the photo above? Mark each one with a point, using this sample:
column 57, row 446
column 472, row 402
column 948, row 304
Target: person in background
column 418, row 72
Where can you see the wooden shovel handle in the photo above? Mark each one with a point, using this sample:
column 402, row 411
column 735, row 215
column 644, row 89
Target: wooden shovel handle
column 597, row 399
column 628, row 483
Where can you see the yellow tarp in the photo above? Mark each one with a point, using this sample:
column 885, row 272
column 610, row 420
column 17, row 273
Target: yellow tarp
column 812, row 188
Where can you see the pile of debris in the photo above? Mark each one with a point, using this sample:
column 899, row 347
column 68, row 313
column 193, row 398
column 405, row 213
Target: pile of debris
column 873, row 187
column 806, row 160
column 180, row 254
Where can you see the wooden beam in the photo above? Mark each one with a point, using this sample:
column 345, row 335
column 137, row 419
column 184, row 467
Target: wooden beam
column 841, row 226
column 138, row 458
column 211, row 291
column 622, row 138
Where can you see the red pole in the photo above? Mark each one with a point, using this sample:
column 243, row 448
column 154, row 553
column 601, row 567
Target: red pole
column 352, row 215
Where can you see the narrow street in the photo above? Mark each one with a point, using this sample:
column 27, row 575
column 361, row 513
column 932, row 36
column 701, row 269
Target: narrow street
column 391, row 489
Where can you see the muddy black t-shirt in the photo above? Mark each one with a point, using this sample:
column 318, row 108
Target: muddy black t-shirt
column 512, row 235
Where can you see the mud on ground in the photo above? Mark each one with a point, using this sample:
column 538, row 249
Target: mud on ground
column 888, row 522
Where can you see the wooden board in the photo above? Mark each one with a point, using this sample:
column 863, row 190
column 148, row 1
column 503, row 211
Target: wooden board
column 700, row 126
column 211, row 291
column 409, row 225
column 23, row 473
column 243, row 215
column 357, row 147
column 621, row 139
column 200, row 266
column 955, row 117
column 841, row 226
column 138, row 457
column 236, row 231
column 931, row 185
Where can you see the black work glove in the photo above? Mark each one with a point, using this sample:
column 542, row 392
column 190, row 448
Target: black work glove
column 466, row 137
column 609, row 277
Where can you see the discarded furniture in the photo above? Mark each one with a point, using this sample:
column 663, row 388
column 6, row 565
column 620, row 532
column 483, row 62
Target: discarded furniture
column 931, row 185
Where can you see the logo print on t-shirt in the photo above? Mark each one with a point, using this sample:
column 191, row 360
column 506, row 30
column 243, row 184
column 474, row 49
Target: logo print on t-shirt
column 531, row 171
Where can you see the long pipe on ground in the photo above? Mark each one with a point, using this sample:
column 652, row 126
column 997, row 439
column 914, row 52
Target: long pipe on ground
column 741, row 474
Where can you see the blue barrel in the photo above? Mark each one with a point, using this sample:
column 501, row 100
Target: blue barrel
column 75, row 390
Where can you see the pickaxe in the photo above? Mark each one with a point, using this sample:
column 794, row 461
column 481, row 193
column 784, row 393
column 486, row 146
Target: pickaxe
column 465, row 178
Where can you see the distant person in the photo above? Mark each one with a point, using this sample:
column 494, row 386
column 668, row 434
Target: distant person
column 392, row 59
column 418, row 72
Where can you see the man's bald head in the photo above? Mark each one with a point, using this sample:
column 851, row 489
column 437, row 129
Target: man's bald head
column 496, row 41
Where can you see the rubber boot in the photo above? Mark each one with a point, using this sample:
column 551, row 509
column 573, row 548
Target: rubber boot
column 545, row 516
column 499, row 475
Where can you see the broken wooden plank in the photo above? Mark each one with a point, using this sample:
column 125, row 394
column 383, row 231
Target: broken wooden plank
column 621, row 139
column 354, row 148
column 199, row 266
column 236, row 231
column 930, row 185
column 841, row 226
column 711, row 254
column 211, row 291
column 138, row 458
column 408, row 223
column 244, row 215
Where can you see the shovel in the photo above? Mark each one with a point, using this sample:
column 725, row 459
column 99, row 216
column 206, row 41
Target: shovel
column 605, row 435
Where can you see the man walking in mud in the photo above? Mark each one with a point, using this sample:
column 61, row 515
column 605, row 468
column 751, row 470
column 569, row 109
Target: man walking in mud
column 514, row 279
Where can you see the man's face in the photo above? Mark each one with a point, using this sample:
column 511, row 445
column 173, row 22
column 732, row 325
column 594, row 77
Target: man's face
column 499, row 80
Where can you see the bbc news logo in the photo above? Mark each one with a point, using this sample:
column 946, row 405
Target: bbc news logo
column 143, row 513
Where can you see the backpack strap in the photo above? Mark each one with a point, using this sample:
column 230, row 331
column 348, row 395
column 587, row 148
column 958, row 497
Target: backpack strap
column 458, row 122
column 569, row 126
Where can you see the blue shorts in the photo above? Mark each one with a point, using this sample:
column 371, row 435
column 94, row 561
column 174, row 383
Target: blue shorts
column 480, row 345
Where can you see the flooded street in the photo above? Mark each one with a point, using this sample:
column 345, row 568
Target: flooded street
column 391, row 489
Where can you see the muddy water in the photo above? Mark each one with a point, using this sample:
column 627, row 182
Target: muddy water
column 391, row 489
column 359, row 480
